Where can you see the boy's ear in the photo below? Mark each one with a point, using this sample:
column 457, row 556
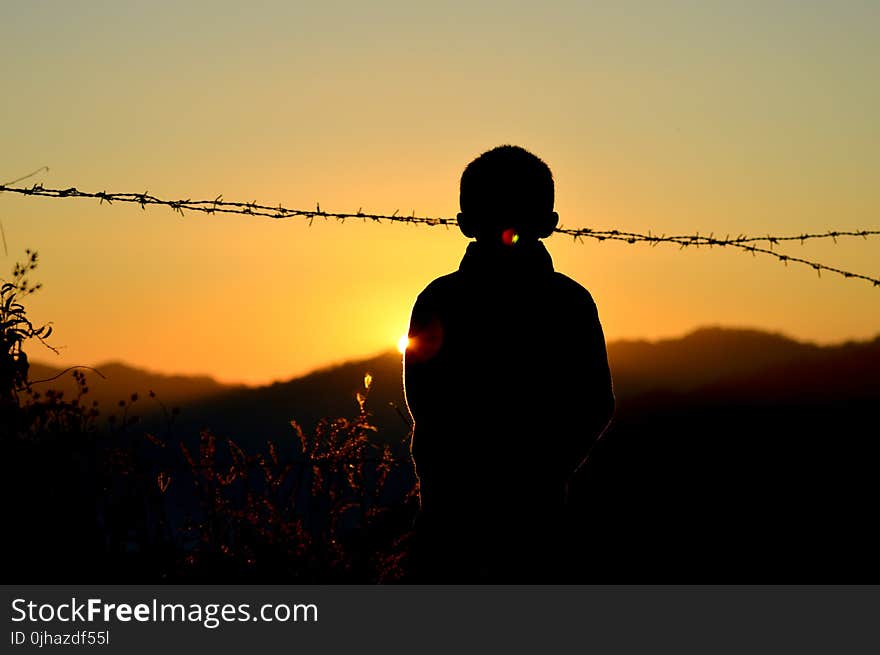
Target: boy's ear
column 547, row 225
column 467, row 225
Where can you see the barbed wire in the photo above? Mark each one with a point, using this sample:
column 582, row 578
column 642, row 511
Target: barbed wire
column 220, row 206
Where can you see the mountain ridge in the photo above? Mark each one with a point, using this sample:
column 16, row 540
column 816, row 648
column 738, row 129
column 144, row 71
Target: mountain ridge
column 707, row 365
column 41, row 370
column 727, row 445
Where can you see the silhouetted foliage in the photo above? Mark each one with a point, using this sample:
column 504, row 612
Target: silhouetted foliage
column 734, row 458
column 96, row 502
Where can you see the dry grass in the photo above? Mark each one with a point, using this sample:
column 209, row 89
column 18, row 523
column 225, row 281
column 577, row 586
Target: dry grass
column 101, row 497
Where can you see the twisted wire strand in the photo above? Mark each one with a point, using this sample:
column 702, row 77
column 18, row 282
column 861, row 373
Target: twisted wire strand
column 220, row 206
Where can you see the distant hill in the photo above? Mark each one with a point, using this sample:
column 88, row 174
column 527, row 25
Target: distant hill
column 257, row 414
column 729, row 365
column 731, row 451
column 119, row 381
column 702, row 357
column 736, row 451
column 745, row 362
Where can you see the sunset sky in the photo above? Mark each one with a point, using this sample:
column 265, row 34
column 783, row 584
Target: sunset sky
column 746, row 117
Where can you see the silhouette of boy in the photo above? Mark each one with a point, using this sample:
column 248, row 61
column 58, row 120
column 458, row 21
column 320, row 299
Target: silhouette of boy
column 507, row 379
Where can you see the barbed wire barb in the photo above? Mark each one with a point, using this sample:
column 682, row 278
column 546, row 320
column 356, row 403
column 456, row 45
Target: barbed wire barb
column 253, row 208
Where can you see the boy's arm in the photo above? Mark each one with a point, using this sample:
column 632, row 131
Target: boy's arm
column 420, row 366
column 598, row 394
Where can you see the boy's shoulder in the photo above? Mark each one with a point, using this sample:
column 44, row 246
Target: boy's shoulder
column 443, row 285
column 452, row 284
column 571, row 287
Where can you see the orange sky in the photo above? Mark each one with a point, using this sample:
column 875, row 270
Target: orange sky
column 703, row 116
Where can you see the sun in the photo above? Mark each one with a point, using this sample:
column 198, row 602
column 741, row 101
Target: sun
column 403, row 344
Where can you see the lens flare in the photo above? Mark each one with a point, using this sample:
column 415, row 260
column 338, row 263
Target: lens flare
column 403, row 344
column 509, row 237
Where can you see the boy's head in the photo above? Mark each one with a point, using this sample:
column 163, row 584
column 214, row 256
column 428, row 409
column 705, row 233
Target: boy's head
column 507, row 195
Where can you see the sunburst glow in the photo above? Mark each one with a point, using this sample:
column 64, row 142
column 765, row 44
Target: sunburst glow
column 403, row 343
